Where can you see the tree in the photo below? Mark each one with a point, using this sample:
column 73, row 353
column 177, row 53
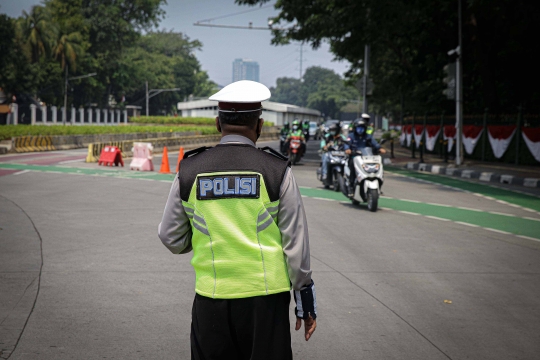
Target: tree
column 321, row 89
column 409, row 43
column 39, row 32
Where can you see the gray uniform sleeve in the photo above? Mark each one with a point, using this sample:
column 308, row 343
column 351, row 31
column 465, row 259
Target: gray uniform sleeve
column 175, row 230
column 292, row 224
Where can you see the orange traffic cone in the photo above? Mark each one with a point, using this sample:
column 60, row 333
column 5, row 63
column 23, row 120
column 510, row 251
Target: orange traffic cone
column 165, row 169
column 180, row 157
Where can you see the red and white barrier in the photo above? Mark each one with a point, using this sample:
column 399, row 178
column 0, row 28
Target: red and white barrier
column 432, row 134
column 142, row 157
column 500, row 138
column 532, row 139
column 110, row 155
column 471, row 134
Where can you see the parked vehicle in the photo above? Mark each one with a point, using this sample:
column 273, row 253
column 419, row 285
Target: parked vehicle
column 313, row 129
column 369, row 178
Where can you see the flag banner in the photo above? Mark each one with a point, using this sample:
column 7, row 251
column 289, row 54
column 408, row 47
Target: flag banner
column 418, row 131
column 432, row 134
column 449, row 133
column 402, row 138
column 408, row 134
column 471, row 134
column 532, row 139
column 500, row 137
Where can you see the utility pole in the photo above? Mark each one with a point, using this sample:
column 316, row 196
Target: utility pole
column 147, row 98
column 64, row 115
column 366, row 75
column 459, row 93
column 301, row 52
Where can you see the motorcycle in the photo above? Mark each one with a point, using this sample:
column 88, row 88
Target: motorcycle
column 369, row 178
column 337, row 159
column 295, row 149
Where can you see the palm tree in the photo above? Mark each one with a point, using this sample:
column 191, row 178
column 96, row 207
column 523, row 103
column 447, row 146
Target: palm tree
column 68, row 49
column 38, row 31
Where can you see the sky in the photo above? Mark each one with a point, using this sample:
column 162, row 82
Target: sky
column 222, row 46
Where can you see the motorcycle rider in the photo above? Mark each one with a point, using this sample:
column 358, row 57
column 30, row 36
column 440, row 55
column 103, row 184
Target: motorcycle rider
column 305, row 129
column 333, row 137
column 357, row 140
column 284, row 133
column 296, row 131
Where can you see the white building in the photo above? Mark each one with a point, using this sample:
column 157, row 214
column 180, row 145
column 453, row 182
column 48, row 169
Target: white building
column 274, row 112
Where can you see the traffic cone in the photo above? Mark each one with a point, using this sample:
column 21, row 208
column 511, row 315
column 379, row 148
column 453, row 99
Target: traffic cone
column 180, row 157
column 165, row 169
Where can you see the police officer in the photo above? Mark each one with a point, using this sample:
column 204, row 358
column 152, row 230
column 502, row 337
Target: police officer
column 239, row 210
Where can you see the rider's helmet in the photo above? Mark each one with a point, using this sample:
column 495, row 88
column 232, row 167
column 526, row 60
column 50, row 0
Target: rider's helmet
column 360, row 126
column 334, row 129
column 286, row 124
column 295, row 125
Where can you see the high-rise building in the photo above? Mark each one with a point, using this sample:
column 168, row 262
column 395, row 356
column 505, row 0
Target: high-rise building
column 245, row 69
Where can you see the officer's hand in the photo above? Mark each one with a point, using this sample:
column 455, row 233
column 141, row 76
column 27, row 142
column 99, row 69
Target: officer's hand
column 382, row 151
column 309, row 324
column 348, row 151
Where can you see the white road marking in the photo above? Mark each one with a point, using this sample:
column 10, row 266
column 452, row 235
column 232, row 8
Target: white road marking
column 408, row 212
column 499, row 231
column 466, row 224
column 436, row 218
column 71, row 161
column 527, row 237
column 21, row 172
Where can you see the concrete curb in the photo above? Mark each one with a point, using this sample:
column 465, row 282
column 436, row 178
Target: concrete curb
column 473, row 174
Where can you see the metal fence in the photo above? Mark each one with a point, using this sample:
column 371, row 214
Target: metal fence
column 52, row 115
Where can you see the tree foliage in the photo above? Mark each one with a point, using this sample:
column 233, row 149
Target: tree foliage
column 116, row 39
column 320, row 89
column 409, row 43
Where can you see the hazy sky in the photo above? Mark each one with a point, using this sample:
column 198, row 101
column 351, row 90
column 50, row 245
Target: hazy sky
column 222, row 46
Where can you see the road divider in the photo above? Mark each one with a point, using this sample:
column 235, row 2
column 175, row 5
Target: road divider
column 172, row 144
column 33, row 144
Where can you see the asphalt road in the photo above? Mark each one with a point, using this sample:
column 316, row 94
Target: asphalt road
column 446, row 269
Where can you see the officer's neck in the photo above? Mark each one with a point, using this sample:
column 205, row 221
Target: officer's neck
column 251, row 134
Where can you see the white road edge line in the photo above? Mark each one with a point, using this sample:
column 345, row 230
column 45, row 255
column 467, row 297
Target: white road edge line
column 476, row 194
column 70, row 161
column 436, row 218
column 21, row 172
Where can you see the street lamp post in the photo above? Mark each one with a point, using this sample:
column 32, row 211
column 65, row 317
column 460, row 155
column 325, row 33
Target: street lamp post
column 64, row 115
column 459, row 94
column 154, row 92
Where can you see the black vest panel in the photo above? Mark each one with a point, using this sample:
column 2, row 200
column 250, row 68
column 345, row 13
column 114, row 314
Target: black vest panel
column 233, row 157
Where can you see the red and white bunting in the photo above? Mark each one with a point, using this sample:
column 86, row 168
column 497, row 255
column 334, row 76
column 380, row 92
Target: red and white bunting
column 432, row 134
column 471, row 134
column 407, row 130
column 500, row 137
column 449, row 133
column 532, row 139
column 418, row 131
column 402, row 138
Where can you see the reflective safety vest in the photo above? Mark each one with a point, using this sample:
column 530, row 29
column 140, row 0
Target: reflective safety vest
column 231, row 196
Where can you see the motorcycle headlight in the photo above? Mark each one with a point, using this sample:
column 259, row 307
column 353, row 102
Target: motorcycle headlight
column 371, row 168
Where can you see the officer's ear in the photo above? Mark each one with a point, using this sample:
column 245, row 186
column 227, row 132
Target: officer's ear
column 218, row 125
column 259, row 127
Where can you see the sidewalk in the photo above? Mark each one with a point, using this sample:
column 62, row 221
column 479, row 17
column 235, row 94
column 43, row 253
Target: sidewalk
column 522, row 175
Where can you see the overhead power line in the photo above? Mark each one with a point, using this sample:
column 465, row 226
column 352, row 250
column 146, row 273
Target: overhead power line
column 234, row 14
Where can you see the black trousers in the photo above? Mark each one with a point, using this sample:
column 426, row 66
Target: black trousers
column 250, row 328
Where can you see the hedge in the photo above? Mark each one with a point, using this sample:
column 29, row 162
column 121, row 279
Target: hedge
column 10, row 131
column 175, row 120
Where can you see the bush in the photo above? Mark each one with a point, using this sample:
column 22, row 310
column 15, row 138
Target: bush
column 175, row 120
column 10, row 131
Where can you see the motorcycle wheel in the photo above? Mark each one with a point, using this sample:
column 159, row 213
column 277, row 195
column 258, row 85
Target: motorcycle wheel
column 343, row 185
column 372, row 200
column 293, row 158
column 337, row 181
